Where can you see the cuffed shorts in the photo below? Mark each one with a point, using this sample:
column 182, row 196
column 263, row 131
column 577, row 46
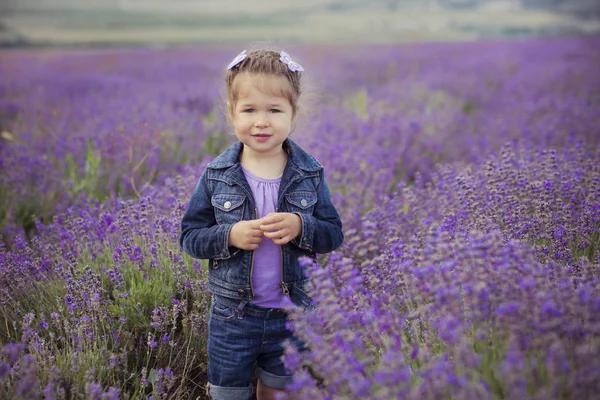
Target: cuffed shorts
column 242, row 337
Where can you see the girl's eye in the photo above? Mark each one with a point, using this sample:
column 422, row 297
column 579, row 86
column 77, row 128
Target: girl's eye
column 251, row 110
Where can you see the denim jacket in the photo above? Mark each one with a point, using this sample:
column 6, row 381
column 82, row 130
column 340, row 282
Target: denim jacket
column 223, row 197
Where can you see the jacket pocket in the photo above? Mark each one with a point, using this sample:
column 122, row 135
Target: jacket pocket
column 301, row 201
column 228, row 208
column 302, row 297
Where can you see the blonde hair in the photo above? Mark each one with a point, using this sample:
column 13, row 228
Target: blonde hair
column 265, row 62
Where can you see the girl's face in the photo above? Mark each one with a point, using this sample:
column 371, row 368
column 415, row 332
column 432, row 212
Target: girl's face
column 262, row 115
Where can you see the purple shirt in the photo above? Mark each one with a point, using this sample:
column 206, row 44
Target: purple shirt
column 266, row 272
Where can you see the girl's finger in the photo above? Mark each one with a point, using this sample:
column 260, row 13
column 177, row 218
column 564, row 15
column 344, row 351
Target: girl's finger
column 254, row 237
column 272, row 226
column 272, row 235
column 282, row 241
column 271, row 219
column 254, row 224
column 277, row 234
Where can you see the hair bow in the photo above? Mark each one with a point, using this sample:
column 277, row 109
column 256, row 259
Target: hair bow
column 238, row 59
column 292, row 65
column 284, row 58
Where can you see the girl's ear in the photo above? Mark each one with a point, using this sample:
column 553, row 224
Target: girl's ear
column 229, row 111
column 293, row 124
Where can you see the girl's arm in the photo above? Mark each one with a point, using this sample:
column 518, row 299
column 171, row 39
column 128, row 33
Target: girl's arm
column 321, row 231
column 201, row 236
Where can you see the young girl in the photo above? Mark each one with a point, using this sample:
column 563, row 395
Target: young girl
column 258, row 207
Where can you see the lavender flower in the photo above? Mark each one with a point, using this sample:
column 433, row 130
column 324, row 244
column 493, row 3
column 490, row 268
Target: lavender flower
column 466, row 176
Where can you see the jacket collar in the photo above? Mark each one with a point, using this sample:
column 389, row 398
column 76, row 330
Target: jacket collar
column 299, row 157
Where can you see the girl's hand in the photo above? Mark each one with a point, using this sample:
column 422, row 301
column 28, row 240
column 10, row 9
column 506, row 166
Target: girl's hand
column 281, row 227
column 246, row 235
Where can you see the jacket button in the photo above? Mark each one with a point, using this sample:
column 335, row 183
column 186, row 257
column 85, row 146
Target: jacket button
column 242, row 292
column 227, row 205
column 303, row 202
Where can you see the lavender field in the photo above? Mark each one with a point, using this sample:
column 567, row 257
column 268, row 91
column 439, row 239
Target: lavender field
column 467, row 176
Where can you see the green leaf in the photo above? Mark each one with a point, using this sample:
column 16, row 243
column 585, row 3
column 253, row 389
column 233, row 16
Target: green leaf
column 152, row 376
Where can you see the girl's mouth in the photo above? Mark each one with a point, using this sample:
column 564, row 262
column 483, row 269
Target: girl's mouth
column 261, row 137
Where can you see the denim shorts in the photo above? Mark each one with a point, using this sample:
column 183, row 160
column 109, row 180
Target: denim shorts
column 241, row 337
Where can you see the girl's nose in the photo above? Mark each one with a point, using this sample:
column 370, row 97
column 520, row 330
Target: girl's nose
column 261, row 121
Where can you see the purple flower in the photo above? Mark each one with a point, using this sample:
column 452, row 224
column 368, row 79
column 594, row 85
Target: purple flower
column 508, row 308
column 113, row 360
column 4, row 368
column 151, row 342
column 112, row 394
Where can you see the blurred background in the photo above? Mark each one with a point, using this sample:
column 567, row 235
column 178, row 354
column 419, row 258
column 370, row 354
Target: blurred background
column 172, row 22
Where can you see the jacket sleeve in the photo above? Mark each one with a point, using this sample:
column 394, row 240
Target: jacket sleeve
column 201, row 236
column 321, row 231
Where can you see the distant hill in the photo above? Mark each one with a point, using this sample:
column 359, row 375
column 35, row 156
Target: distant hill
column 588, row 6
column 108, row 22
